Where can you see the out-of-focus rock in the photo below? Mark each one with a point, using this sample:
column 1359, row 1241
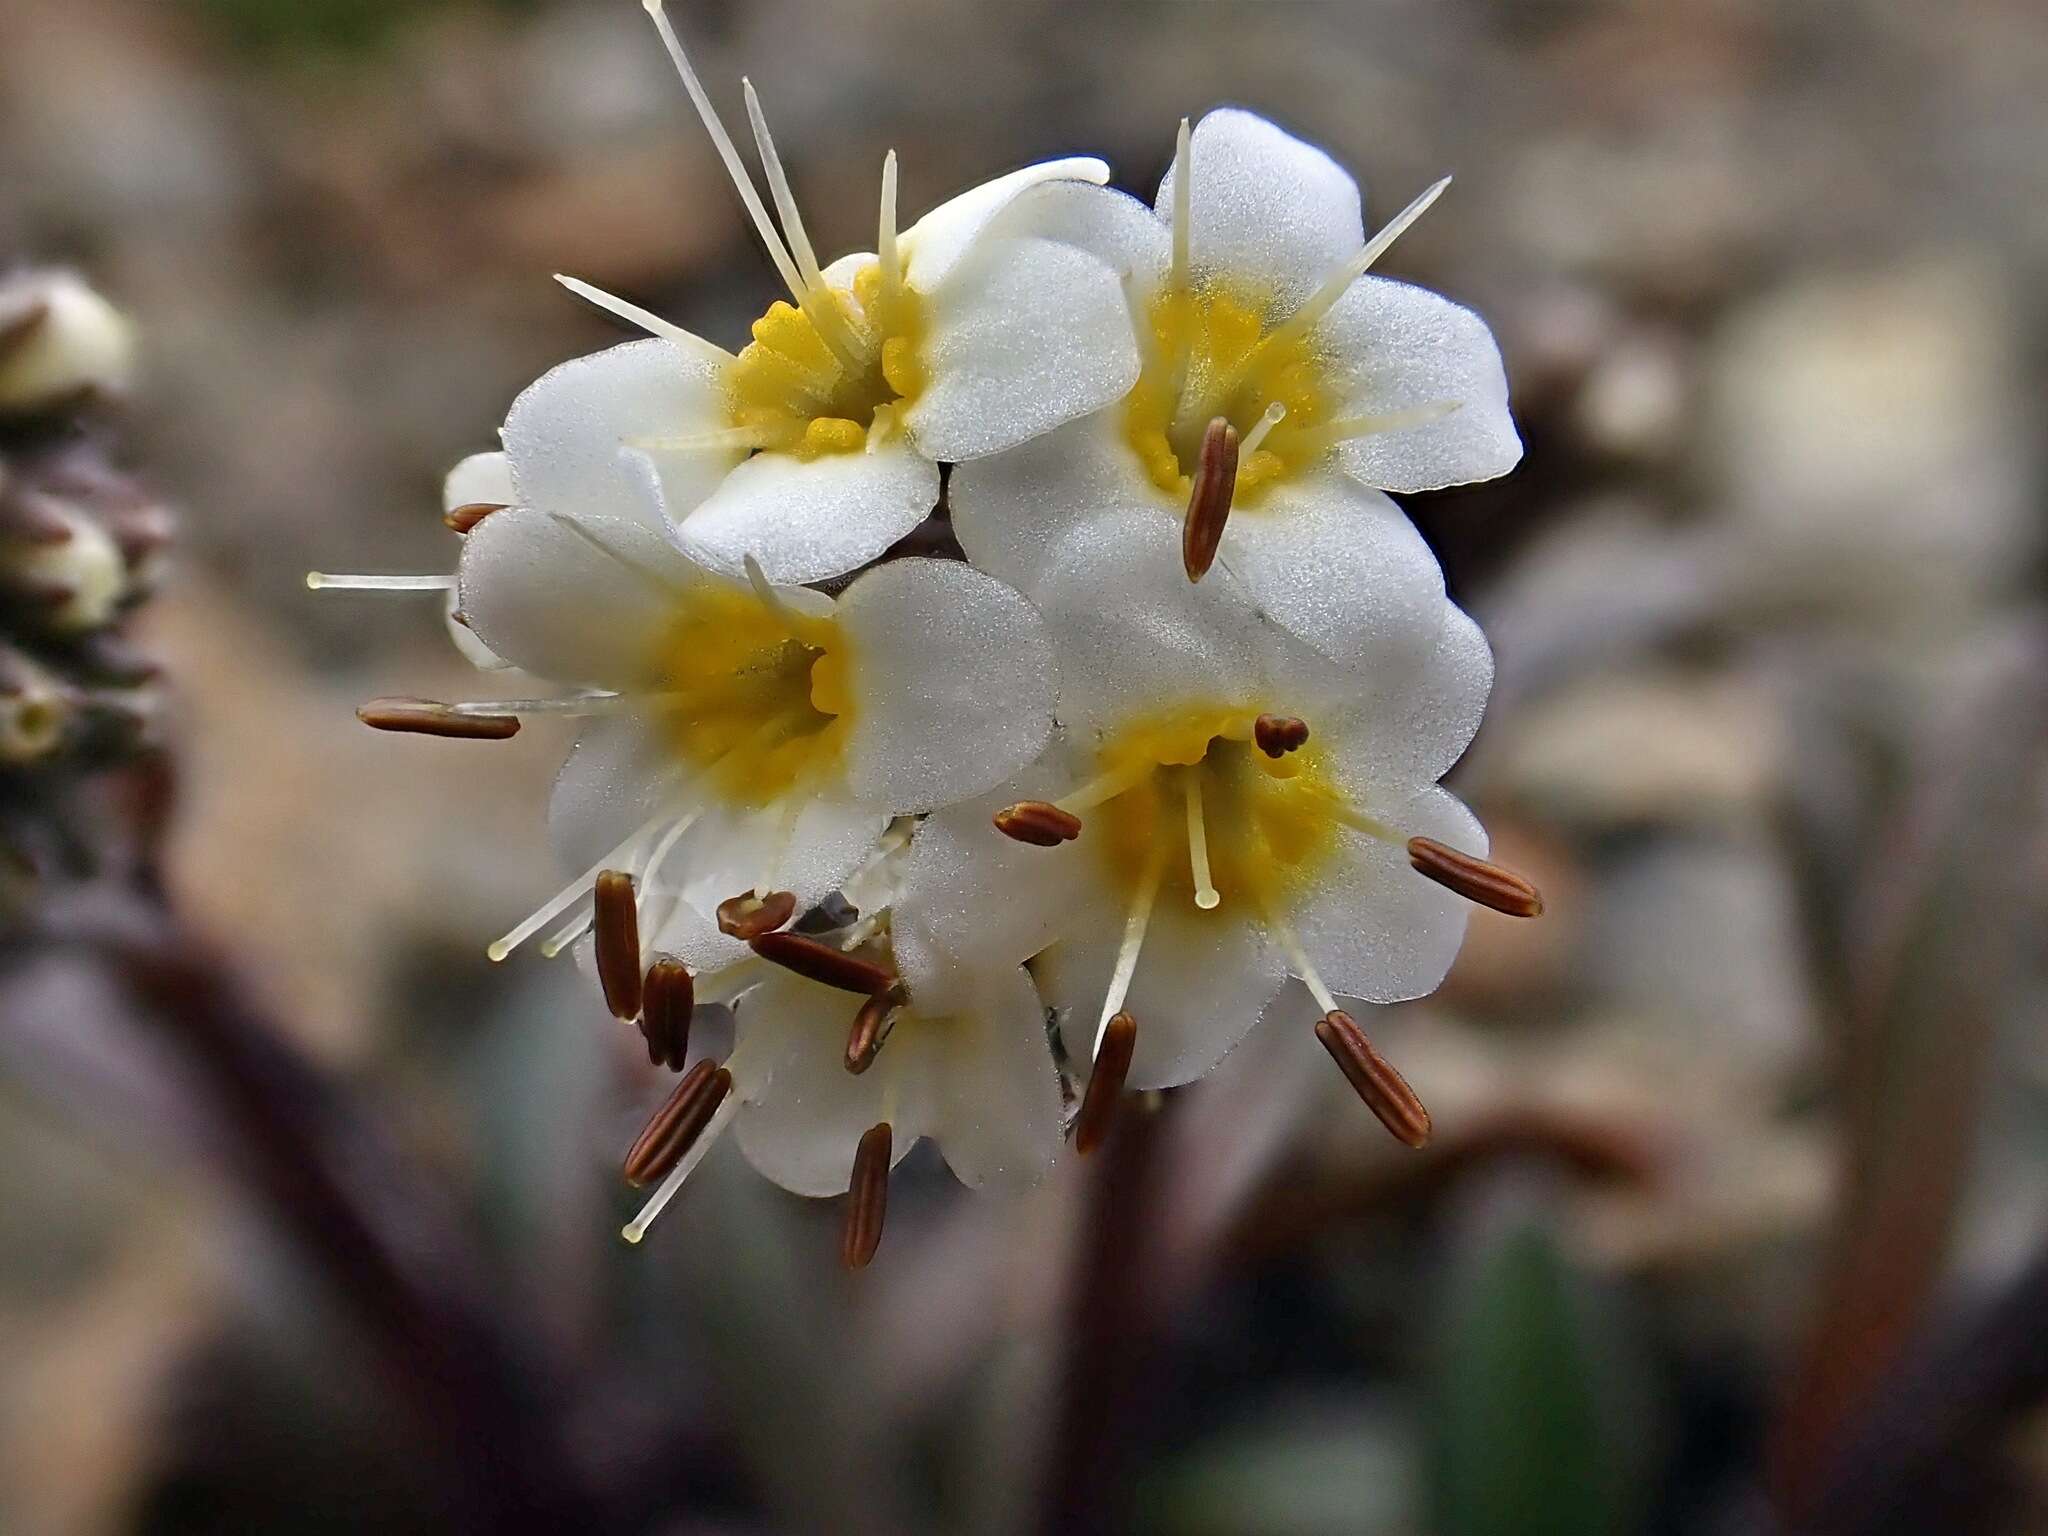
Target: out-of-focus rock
column 1634, row 404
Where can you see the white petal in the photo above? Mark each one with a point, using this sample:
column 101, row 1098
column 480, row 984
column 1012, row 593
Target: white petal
column 952, row 683
column 1010, row 509
column 1203, row 979
column 1110, row 225
column 580, row 602
column 810, row 521
column 566, row 435
column 1265, row 208
column 1024, row 336
column 805, row 1113
column 620, row 770
column 1375, row 928
column 1408, row 733
column 1342, row 568
column 937, row 241
column 473, row 650
column 482, row 477
column 1396, row 347
column 996, row 1093
column 730, row 850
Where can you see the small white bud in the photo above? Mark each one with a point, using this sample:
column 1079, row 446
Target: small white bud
column 66, row 340
column 79, row 579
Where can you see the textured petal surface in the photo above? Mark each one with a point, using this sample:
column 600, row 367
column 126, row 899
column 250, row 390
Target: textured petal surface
column 578, row 601
column 1396, row 347
column 1203, row 979
column 804, row 1113
column 810, row 521
column 565, row 437
column 485, row 477
column 616, row 776
column 1340, row 566
column 1407, row 733
column 1264, row 207
column 997, row 1099
column 1011, row 509
column 1110, row 225
column 936, row 242
column 1375, row 928
column 952, row 683
column 1025, row 335
column 729, row 850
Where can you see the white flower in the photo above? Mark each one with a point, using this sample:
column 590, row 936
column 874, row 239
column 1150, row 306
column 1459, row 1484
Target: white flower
column 1206, row 868
column 818, row 445
column 1247, row 284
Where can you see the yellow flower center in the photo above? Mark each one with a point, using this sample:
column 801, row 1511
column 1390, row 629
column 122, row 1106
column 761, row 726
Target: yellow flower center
column 816, row 379
column 1213, row 350
column 757, row 699
column 1262, row 825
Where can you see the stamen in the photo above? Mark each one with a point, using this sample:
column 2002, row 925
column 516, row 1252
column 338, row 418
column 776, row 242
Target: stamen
column 885, row 234
column 617, row 920
column 1474, row 879
column 333, row 581
column 724, row 439
column 1106, row 786
column 566, row 935
column 678, row 1124
column 1183, row 205
column 1209, row 500
column 1278, row 735
column 645, row 319
column 871, row 1027
column 867, row 1198
column 1269, row 418
column 559, row 902
column 1105, row 1083
column 1297, row 957
column 470, row 513
column 1372, row 1076
column 426, row 717
column 668, row 996
column 575, row 704
column 1206, row 895
column 722, row 141
column 1139, row 919
column 1335, row 286
column 1039, row 823
column 748, row 916
column 777, row 608
column 661, row 849
column 822, row 963
column 698, row 1148
column 825, row 314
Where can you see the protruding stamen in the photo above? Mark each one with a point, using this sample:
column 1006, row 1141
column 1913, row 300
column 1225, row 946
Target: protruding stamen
column 677, row 1124
column 821, row 305
column 1135, row 924
column 822, row 963
column 1209, row 500
column 699, row 1148
column 338, row 581
column 668, row 996
column 574, row 704
column 722, row 141
column 1385, row 1091
column 871, row 1028
column 617, row 921
column 1278, row 735
column 1105, row 1083
column 1269, row 418
column 560, row 901
column 1039, row 823
column 749, row 916
column 718, row 440
column 1474, row 879
column 427, row 717
column 867, row 1198
column 1206, row 895
column 1183, row 205
column 1335, row 286
column 645, row 319
column 565, row 935
column 469, row 514
column 885, row 233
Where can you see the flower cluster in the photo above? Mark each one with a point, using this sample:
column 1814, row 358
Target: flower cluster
column 968, row 846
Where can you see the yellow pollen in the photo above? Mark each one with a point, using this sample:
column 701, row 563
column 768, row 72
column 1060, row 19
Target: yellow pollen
column 796, row 394
column 758, row 711
column 1210, row 350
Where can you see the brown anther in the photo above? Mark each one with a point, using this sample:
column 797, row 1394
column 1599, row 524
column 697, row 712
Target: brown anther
column 1474, row 879
column 871, row 1027
column 749, row 916
column 616, row 923
column 867, row 1199
column 1209, row 500
column 1105, row 1084
column 470, row 513
column 1039, row 823
column 1385, row 1091
column 425, row 717
column 822, row 963
column 668, row 995
column 1278, row 735
column 677, row 1124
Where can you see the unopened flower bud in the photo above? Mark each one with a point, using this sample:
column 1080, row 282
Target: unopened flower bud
column 66, row 580
column 59, row 340
column 33, row 711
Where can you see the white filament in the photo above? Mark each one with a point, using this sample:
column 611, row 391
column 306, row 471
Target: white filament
column 1183, row 205
column 885, row 234
column 636, row 1229
column 645, row 319
column 1266, row 423
column 1334, row 287
column 560, row 901
column 320, row 581
column 1206, row 895
column 1135, row 924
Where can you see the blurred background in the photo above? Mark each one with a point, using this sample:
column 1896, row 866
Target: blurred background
column 1736, row 1212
